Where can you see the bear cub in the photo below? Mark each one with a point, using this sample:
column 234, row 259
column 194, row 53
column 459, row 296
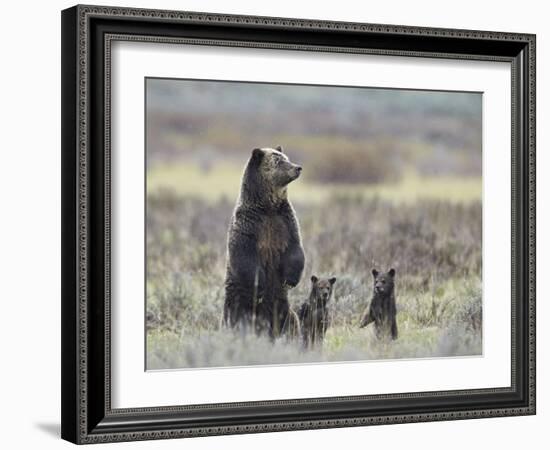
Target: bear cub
column 313, row 315
column 382, row 310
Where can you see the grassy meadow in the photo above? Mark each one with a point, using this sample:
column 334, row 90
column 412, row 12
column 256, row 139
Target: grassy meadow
column 403, row 192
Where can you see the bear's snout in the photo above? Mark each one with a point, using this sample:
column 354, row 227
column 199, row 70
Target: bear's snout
column 297, row 170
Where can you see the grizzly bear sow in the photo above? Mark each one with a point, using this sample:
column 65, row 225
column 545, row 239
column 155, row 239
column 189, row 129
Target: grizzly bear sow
column 382, row 310
column 265, row 254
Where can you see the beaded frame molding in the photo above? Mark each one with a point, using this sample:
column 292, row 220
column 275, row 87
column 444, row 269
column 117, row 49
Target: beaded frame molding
column 87, row 34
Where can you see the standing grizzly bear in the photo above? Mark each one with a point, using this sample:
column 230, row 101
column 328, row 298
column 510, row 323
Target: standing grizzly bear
column 265, row 254
column 313, row 315
column 382, row 309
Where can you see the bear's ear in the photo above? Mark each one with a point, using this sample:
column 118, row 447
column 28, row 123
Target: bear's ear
column 314, row 279
column 279, row 148
column 392, row 272
column 257, row 155
column 332, row 280
column 374, row 273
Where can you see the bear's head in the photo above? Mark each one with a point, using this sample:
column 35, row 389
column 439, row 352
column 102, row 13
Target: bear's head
column 267, row 175
column 383, row 282
column 275, row 167
column 321, row 290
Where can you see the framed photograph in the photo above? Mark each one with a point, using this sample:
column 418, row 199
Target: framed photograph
column 279, row 224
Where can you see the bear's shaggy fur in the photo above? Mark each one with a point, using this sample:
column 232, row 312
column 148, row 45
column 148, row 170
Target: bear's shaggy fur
column 313, row 315
column 264, row 247
column 382, row 310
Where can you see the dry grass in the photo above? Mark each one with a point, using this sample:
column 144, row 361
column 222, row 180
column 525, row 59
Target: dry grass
column 434, row 246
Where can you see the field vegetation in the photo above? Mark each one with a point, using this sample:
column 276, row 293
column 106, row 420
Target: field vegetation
column 433, row 245
column 389, row 181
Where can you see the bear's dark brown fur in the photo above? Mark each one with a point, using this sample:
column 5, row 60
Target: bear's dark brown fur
column 382, row 310
column 313, row 315
column 265, row 254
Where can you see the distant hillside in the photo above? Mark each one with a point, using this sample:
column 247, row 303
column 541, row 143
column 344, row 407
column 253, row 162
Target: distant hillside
column 430, row 131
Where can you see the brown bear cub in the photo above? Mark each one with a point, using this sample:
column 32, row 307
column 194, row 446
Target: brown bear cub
column 382, row 309
column 313, row 315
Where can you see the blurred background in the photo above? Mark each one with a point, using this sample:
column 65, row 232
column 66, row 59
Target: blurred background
column 394, row 143
column 392, row 178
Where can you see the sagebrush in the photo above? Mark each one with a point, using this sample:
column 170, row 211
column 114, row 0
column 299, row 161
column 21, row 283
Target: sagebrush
column 434, row 245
